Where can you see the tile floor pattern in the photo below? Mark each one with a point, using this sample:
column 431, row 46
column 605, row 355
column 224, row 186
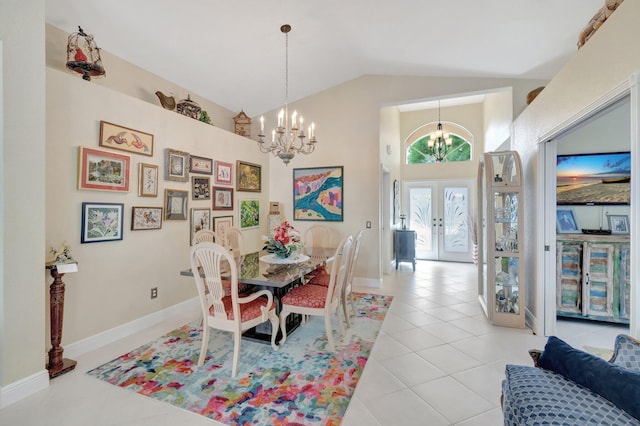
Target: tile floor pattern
column 437, row 361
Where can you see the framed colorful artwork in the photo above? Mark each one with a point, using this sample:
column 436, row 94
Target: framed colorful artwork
column 249, row 214
column 175, row 204
column 566, row 221
column 200, row 188
column 101, row 222
column 145, row 218
column 125, row 139
column 200, row 219
column 224, row 173
column 200, row 165
column 222, row 198
column 147, row 180
column 221, row 224
column 317, row 194
column 248, row 176
column 176, row 165
column 103, row 170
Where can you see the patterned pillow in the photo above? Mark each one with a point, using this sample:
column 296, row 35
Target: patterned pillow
column 626, row 352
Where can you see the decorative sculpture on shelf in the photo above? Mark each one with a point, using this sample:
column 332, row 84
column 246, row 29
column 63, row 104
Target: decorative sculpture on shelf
column 167, row 102
column 62, row 254
column 83, row 56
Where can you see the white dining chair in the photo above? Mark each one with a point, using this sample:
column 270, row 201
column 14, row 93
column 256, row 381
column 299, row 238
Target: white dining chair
column 205, row 235
column 234, row 241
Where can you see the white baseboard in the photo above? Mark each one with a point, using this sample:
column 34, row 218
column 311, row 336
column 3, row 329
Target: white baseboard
column 15, row 391
column 367, row 282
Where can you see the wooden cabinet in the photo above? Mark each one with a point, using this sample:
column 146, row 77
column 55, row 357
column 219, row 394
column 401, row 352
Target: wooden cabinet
column 592, row 279
column 404, row 246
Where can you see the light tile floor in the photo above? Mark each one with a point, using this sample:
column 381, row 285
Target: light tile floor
column 437, row 361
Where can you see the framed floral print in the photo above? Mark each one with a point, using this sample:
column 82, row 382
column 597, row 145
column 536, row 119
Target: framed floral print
column 200, row 165
column 223, row 173
column 248, row 176
column 175, row 204
column 101, row 222
column 147, row 180
column 200, row 188
column 176, row 165
column 249, row 214
column 221, row 224
column 103, row 170
column 145, row 218
column 222, row 198
column 125, row 139
column 200, row 219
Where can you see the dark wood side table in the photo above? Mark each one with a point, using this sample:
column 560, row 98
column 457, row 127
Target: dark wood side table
column 57, row 364
column 404, row 246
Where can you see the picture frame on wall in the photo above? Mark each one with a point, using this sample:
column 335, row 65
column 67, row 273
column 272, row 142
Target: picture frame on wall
column 200, row 165
column 200, row 219
column 146, row 218
column 248, row 177
column 200, row 188
column 618, row 223
column 103, row 170
column 125, row 139
column 175, row 204
column 222, row 198
column 224, row 173
column 566, row 222
column 176, row 165
column 318, row 194
column 101, row 222
column 249, row 214
column 221, row 224
column 147, row 180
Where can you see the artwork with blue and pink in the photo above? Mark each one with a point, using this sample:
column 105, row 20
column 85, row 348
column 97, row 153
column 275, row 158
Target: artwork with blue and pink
column 317, row 193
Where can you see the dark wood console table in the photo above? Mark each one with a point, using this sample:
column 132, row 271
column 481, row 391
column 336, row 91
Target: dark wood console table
column 404, row 246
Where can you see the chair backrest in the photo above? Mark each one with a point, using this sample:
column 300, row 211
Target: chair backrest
column 205, row 235
column 211, row 260
column 354, row 257
column 317, row 236
column 234, row 240
column 339, row 271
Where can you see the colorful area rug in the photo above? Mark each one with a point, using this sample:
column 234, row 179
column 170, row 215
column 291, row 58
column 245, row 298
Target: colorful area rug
column 300, row 384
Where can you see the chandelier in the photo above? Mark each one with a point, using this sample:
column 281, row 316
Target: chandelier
column 439, row 142
column 288, row 138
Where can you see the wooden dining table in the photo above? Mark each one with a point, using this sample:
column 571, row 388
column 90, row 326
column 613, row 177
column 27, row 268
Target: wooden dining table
column 259, row 270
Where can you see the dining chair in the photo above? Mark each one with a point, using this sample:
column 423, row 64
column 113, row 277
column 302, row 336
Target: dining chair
column 205, row 235
column 233, row 313
column 317, row 236
column 234, row 240
column 318, row 300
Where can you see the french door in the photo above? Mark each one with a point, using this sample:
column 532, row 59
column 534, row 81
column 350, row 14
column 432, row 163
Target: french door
column 439, row 212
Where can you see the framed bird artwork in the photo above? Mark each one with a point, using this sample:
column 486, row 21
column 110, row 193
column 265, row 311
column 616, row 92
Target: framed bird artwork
column 125, row 139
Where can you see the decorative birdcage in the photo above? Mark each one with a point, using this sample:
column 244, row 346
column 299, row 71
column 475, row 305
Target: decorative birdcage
column 189, row 107
column 83, row 56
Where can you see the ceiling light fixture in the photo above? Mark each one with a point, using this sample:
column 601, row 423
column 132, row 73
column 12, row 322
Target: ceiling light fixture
column 439, row 142
column 287, row 139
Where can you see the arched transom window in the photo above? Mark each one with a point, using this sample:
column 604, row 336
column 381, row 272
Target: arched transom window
column 417, row 144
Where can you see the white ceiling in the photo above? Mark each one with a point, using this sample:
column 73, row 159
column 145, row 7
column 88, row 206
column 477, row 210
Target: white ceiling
column 233, row 53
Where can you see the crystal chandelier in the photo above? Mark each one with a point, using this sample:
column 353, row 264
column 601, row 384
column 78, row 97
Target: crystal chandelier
column 439, row 142
column 288, row 138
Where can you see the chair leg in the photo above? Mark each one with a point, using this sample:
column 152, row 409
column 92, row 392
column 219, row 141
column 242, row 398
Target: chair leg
column 205, row 345
column 283, row 326
column 327, row 325
column 236, row 351
column 275, row 324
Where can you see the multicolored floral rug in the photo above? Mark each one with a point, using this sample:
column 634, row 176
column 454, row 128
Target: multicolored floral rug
column 300, row 384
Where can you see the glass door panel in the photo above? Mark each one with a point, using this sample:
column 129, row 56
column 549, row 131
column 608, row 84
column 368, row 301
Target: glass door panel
column 421, row 219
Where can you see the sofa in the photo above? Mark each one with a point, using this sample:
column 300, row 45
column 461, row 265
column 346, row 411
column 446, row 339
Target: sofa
column 567, row 386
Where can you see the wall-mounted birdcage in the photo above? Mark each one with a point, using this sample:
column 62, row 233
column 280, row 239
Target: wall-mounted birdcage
column 83, row 56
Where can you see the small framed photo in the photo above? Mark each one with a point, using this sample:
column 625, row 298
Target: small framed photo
column 222, row 198
column 566, row 221
column 145, row 218
column 248, row 176
column 101, row 222
column 147, row 180
column 618, row 223
column 224, row 173
column 200, row 188
column 249, row 214
column 102, row 170
column 176, row 165
column 125, row 139
column 221, row 224
column 200, row 165
column 175, row 204
column 200, row 219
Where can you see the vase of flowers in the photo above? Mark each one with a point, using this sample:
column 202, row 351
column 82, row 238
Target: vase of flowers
column 283, row 241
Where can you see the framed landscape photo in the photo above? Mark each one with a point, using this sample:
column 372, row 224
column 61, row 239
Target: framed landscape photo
column 249, row 214
column 317, row 194
column 200, row 219
column 200, row 188
column 103, row 170
column 618, row 223
column 248, row 176
column 566, row 221
column 147, row 180
column 223, row 173
column 200, row 165
column 222, row 198
column 101, row 222
column 176, row 165
column 125, row 139
column 175, row 204
column 146, row 218
column 221, row 224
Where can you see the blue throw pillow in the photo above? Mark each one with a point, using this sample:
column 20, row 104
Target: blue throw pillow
column 617, row 384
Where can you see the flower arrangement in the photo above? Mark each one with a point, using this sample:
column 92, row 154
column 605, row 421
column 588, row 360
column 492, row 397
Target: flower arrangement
column 284, row 241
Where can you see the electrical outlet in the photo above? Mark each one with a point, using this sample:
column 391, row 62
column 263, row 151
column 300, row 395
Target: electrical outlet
column 154, row 292
column 368, row 224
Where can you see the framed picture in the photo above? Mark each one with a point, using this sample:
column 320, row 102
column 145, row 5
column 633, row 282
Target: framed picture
column 396, row 201
column 101, row 222
column 200, row 219
column 566, row 221
column 249, row 214
column 125, row 139
column 175, row 204
column 176, row 165
column 200, row 188
column 618, row 223
column 200, row 165
column 102, row 170
column 222, row 198
column 224, row 173
column 317, row 194
column 145, row 218
column 221, row 224
column 249, row 177
column 147, row 180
